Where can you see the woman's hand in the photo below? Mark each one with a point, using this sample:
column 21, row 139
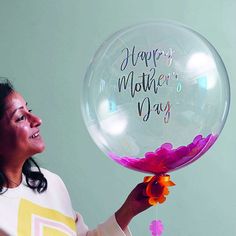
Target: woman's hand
column 136, row 202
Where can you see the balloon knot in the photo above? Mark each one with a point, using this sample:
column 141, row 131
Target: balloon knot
column 157, row 188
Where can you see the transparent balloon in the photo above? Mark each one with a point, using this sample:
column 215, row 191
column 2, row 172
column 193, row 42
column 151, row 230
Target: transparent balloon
column 155, row 97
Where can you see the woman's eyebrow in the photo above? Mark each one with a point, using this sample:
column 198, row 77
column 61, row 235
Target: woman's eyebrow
column 18, row 108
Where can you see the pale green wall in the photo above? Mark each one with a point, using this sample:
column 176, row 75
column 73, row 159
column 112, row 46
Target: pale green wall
column 45, row 48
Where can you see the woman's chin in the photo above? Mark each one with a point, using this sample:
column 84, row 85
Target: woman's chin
column 38, row 149
column 41, row 149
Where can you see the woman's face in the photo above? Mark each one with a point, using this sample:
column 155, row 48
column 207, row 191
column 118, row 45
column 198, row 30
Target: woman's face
column 19, row 130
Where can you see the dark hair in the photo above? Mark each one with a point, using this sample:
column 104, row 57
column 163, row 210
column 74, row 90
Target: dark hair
column 34, row 177
column 5, row 89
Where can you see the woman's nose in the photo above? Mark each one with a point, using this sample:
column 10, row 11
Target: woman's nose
column 35, row 121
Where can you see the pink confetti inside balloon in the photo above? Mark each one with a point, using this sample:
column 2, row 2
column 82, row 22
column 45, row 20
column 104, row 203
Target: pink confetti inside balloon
column 166, row 158
column 156, row 228
column 155, row 97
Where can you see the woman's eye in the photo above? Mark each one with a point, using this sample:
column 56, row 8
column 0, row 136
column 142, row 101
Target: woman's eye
column 21, row 118
column 30, row 110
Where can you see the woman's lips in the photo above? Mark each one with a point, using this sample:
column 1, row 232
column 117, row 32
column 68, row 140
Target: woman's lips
column 35, row 135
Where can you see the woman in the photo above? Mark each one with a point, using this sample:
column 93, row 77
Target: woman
column 34, row 200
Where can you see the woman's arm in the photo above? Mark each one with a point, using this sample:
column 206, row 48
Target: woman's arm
column 117, row 225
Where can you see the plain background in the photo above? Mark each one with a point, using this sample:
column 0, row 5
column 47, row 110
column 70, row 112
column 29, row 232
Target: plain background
column 45, row 49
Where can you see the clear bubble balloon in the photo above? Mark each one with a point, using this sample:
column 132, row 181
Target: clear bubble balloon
column 155, row 97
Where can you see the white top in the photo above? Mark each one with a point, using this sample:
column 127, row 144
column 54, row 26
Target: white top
column 25, row 212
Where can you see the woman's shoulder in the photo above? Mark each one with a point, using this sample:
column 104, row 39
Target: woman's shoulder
column 49, row 173
column 51, row 176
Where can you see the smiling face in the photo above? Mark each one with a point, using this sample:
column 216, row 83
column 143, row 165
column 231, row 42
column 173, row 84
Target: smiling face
column 19, row 130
